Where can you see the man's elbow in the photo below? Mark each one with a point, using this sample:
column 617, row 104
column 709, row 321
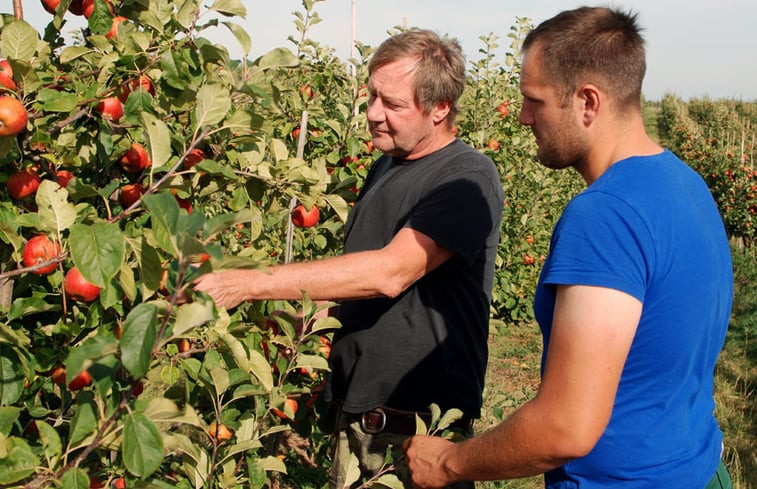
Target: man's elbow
column 573, row 442
column 394, row 282
column 392, row 288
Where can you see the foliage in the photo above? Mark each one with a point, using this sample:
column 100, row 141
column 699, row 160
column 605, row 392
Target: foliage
column 717, row 140
column 183, row 394
column 534, row 195
column 230, row 209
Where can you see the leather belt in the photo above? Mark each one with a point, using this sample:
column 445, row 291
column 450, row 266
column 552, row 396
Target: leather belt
column 385, row 419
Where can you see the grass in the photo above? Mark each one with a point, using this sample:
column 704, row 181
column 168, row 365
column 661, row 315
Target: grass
column 736, row 376
column 513, row 377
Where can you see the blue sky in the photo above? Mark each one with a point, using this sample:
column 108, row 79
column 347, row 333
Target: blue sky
column 695, row 48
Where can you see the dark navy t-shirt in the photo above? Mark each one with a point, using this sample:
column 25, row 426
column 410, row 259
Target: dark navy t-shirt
column 429, row 344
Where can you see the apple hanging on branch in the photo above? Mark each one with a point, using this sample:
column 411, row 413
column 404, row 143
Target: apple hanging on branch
column 13, row 116
column 40, row 249
column 304, row 218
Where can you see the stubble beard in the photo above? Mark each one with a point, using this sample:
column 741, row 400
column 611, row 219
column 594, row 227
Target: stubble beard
column 563, row 148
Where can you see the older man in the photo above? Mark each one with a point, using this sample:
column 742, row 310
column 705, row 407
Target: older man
column 416, row 275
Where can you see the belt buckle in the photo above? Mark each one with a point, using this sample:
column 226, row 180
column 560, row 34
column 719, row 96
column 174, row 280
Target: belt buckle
column 370, row 429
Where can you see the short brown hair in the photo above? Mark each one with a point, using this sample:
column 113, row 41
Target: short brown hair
column 595, row 42
column 440, row 73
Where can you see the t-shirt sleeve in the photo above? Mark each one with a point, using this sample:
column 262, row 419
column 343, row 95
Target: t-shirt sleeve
column 601, row 241
column 461, row 211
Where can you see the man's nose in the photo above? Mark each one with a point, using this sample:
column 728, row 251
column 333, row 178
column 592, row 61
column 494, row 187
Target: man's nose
column 375, row 112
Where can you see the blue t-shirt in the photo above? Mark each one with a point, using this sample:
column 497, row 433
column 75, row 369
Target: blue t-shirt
column 650, row 227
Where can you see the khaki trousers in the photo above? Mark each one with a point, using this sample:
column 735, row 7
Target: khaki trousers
column 370, row 450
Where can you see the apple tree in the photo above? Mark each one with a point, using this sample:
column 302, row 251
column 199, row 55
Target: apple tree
column 148, row 157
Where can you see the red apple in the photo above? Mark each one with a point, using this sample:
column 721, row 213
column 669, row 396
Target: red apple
column 130, row 193
column 503, row 108
column 305, row 218
column 40, row 249
column 113, row 32
column 111, row 109
column 6, row 75
column 142, row 83
column 195, row 156
column 58, row 374
column 50, row 5
column 184, row 204
column 135, row 159
column 88, row 7
column 79, row 288
column 306, row 90
column 289, row 402
column 76, row 7
column 80, row 381
column 13, row 116
column 63, row 177
column 23, row 183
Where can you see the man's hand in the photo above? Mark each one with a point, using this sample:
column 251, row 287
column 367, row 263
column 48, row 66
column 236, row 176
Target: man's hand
column 228, row 288
column 426, row 458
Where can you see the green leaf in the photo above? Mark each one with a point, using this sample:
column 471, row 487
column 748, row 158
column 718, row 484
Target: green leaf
column 18, row 461
column 171, row 73
column 164, row 213
column 325, row 323
column 51, row 444
column 19, row 40
column 351, row 471
column 272, row 464
column 277, row 58
column 280, row 152
column 97, row 251
column 8, row 416
column 73, row 52
column 312, row 361
column 213, row 103
column 222, row 222
column 11, row 375
column 142, row 445
column 138, row 339
column 55, row 101
column 158, row 139
column 150, row 267
column 191, row 315
column 84, row 422
column 229, row 8
column 420, row 426
column 75, row 478
column 101, row 20
column 242, row 36
column 93, row 348
column 26, row 306
column 340, row 206
column 261, row 369
column 55, row 212
column 220, row 378
column 187, row 13
column 237, row 350
column 449, row 417
column 390, row 481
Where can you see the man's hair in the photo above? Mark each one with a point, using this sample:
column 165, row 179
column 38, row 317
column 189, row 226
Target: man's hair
column 596, row 44
column 440, row 73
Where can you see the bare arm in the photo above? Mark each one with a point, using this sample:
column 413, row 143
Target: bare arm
column 592, row 333
column 385, row 272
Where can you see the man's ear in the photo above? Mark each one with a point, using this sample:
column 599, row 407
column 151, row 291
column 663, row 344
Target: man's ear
column 441, row 111
column 592, row 99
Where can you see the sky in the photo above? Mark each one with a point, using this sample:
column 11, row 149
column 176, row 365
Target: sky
column 695, row 48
